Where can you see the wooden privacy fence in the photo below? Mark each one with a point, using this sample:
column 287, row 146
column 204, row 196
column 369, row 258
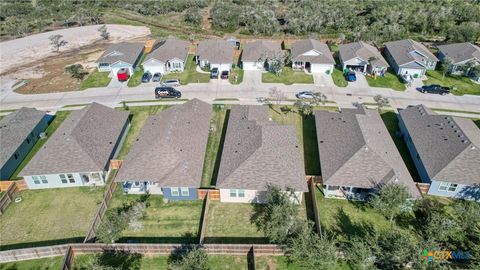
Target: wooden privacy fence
column 204, row 218
column 144, row 249
column 102, row 208
column 213, row 194
column 13, row 188
column 312, row 188
column 423, row 187
column 68, row 260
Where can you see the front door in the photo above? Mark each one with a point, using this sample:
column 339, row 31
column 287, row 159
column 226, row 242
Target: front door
column 308, row 66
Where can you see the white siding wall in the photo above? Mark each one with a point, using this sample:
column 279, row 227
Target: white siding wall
column 256, row 196
column 153, row 66
column 119, row 65
column 411, row 71
column 53, row 181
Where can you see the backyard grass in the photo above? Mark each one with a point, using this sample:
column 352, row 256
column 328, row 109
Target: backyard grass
column 164, row 222
column 138, row 116
column 288, row 77
column 462, row 84
column 236, row 76
column 390, row 80
column 53, row 263
column 391, row 122
column 214, row 146
column 190, row 74
column 49, row 216
column 338, row 78
column 95, row 79
column 53, row 125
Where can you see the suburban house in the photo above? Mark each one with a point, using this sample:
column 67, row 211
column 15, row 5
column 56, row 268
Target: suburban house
column 409, row 57
column 312, row 56
column 168, row 155
column 256, row 54
column 171, row 55
column 363, row 57
column 119, row 56
column 258, row 152
column 357, row 154
column 445, row 150
column 78, row 153
column 19, row 131
column 215, row 53
column 461, row 55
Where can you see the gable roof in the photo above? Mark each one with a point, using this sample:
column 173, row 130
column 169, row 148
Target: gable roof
column 301, row 47
column 84, row 142
column 124, row 51
column 460, row 52
column 170, row 148
column 14, row 130
column 356, row 150
column 363, row 51
column 258, row 151
column 255, row 50
column 170, row 49
column 448, row 146
column 216, row 51
column 406, row 50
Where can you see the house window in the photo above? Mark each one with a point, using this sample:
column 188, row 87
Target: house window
column 70, row 178
column 174, row 192
column 63, row 178
column 44, row 179
column 241, row 193
column 449, row 187
column 184, row 191
column 36, row 180
column 233, row 193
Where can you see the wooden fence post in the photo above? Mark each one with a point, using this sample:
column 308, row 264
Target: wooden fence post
column 7, row 197
column 68, row 259
column 204, row 219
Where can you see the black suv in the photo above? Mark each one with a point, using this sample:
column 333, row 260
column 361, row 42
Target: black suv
column 214, row 73
column 434, row 89
column 167, row 92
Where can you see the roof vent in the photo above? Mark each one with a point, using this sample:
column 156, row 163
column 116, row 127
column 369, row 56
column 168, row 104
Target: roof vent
column 366, row 148
column 473, row 147
column 464, row 141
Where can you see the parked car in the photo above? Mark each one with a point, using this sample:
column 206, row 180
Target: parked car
column 146, row 77
column 167, row 92
column 305, row 95
column 214, row 73
column 172, row 82
column 434, row 89
column 224, row 75
column 156, row 77
column 351, row 76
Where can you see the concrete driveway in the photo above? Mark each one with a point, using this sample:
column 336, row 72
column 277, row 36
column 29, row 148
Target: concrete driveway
column 323, row 80
column 361, row 81
column 252, row 78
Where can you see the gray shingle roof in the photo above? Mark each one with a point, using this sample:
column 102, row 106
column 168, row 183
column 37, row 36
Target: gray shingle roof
column 124, row 51
column 404, row 51
column 448, row 146
column 215, row 51
column 258, row 151
column 170, row 148
column 303, row 46
column 356, row 150
column 460, row 52
column 363, row 51
column 84, row 142
column 260, row 49
column 170, row 49
column 14, row 130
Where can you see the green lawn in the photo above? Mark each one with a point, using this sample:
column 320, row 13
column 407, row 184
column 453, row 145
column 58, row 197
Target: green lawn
column 462, row 84
column 288, row 77
column 138, row 116
column 53, row 125
column 53, row 263
column 214, row 146
column 236, row 76
column 95, row 79
column 49, row 216
column 136, row 78
column 190, row 74
column 172, row 222
column 338, row 78
column 390, row 80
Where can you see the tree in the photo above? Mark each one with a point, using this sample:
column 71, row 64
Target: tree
column 277, row 95
column 381, row 101
column 310, row 251
column 469, row 65
column 475, row 71
column 277, row 217
column 111, row 228
column 76, row 71
column 275, row 63
column 391, row 201
column 447, row 62
column 194, row 259
column 303, row 106
column 104, row 32
column 193, row 15
column 359, row 253
column 396, row 248
column 371, row 59
column 56, row 42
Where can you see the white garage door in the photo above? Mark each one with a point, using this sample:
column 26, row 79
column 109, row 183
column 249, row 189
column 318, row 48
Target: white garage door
column 154, row 68
column 252, row 66
column 411, row 71
column 320, row 68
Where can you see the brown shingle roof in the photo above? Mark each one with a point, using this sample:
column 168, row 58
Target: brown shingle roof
column 124, row 51
column 215, row 51
column 363, row 51
column 257, row 152
column 460, row 52
column 170, row 148
column 84, row 142
column 403, row 51
column 170, row 49
column 303, row 46
column 260, row 49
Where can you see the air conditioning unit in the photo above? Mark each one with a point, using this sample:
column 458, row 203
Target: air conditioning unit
column 42, row 135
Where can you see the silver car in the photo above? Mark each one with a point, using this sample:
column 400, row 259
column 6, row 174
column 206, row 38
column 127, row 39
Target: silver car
column 172, row 82
column 156, row 77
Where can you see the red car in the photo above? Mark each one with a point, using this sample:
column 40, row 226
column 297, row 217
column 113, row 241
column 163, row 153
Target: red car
column 224, row 75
